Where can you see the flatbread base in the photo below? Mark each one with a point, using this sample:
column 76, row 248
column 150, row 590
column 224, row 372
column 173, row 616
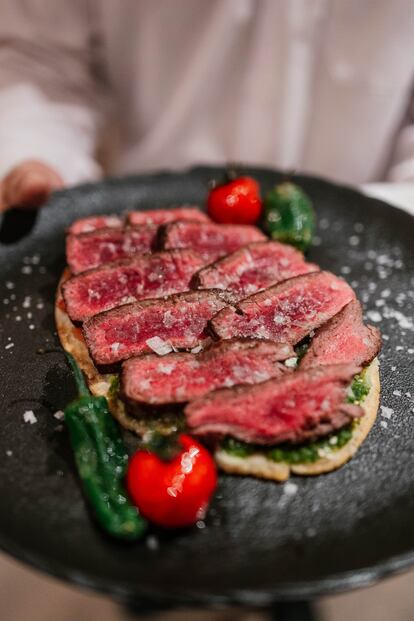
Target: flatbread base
column 260, row 466
column 254, row 465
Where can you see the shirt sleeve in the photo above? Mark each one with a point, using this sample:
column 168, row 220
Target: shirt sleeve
column 401, row 167
column 51, row 86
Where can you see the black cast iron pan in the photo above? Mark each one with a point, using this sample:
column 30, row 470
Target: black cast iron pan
column 262, row 542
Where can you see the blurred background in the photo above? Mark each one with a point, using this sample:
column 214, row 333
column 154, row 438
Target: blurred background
column 92, row 87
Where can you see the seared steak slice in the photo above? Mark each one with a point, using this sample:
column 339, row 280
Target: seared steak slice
column 181, row 377
column 286, row 312
column 296, row 407
column 89, row 250
column 178, row 321
column 162, row 216
column 142, row 276
column 93, row 223
column 254, row 267
column 210, row 239
column 343, row 339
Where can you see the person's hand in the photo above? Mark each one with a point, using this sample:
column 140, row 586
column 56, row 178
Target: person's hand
column 28, row 185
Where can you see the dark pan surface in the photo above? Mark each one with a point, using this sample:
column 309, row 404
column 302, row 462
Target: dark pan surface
column 261, row 541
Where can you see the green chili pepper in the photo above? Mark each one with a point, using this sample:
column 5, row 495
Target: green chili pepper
column 101, row 461
column 289, row 216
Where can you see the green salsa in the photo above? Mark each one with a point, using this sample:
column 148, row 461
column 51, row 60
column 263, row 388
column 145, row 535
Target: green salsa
column 359, row 389
column 311, row 451
column 114, row 387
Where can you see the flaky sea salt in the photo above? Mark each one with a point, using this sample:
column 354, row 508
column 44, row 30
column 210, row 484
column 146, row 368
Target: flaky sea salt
column 59, row 415
column 290, row 489
column 159, row 346
column 29, row 417
column 291, row 362
column 152, row 542
column 197, row 349
column 386, row 412
column 374, row 316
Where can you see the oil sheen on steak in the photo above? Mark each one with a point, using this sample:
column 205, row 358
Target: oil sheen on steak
column 140, row 277
column 93, row 223
column 254, row 267
column 89, row 250
column 178, row 321
column 181, row 377
column 286, row 312
column 343, row 339
column 162, row 216
column 296, row 407
column 212, row 240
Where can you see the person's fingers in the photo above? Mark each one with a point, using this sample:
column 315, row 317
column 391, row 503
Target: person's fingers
column 28, row 186
column 2, row 203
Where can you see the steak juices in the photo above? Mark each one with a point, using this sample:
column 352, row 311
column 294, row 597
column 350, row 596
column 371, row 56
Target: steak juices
column 207, row 316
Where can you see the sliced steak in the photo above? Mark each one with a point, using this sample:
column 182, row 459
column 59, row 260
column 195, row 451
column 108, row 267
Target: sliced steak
column 93, row 223
column 181, row 377
column 296, row 407
column 212, row 240
column 343, row 339
column 286, row 312
column 256, row 266
column 162, row 216
column 142, row 276
column 178, row 321
column 89, row 250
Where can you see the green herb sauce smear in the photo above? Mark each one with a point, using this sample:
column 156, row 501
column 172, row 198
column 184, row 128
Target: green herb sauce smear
column 306, row 453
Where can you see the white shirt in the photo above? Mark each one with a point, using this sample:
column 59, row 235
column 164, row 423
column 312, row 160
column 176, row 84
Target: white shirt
column 323, row 86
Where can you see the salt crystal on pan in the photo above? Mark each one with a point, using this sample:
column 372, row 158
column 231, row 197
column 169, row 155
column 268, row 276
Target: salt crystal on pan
column 10, row 285
column 26, row 269
column 397, row 393
column 59, row 415
column 290, row 489
column 9, row 345
column 386, row 412
column 159, row 346
column 374, row 316
column 29, row 417
column 9, row 453
column 384, row 424
column 152, row 542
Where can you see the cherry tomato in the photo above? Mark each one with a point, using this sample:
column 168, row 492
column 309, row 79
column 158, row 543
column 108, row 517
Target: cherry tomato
column 235, row 202
column 172, row 493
